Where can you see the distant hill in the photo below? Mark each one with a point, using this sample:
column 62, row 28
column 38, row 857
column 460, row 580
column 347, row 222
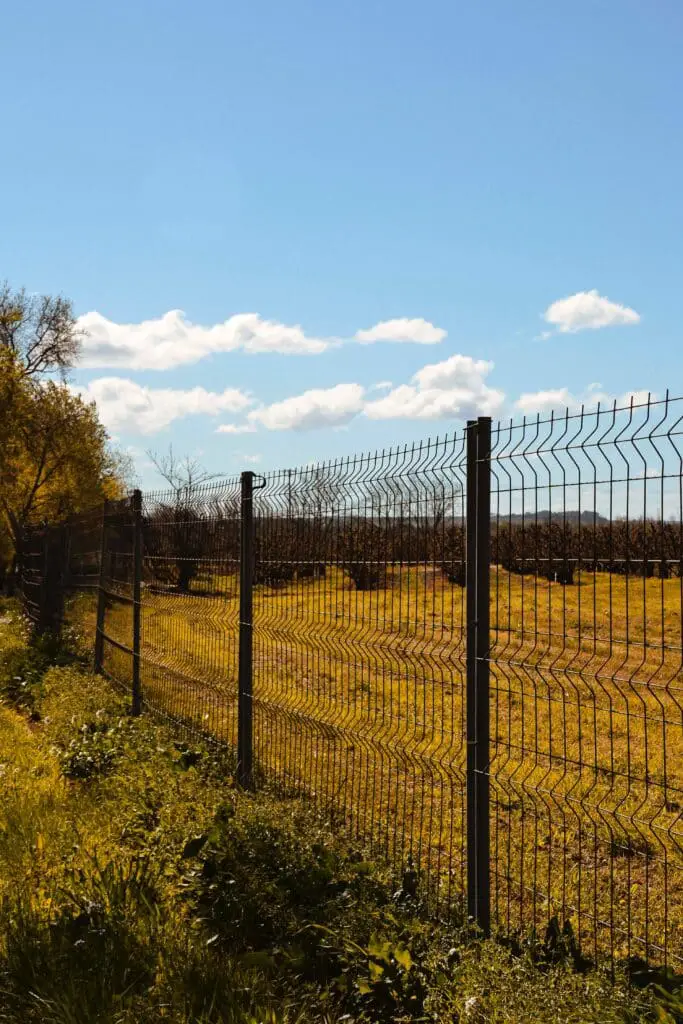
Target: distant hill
column 570, row 516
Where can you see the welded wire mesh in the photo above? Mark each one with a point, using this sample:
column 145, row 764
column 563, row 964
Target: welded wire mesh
column 360, row 655
column 114, row 625
column 32, row 573
column 359, row 648
column 81, row 573
column 190, row 606
column 586, row 677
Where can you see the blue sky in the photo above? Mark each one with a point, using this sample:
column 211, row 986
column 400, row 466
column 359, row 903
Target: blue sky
column 454, row 170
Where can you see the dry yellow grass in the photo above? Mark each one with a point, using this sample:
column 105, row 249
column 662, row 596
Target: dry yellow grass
column 359, row 700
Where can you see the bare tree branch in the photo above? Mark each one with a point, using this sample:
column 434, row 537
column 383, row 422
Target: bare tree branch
column 39, row 330
column 183, row 475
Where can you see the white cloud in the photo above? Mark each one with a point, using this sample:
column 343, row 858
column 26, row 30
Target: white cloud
column 560, row 399
column 124, row 405
column 637, row 398
column 546, row 401
column 171, row 340
column 417, row 330
column 586, row 310
column 320, row 407
column 252, row 460
column 454, row 388
column 236, row 428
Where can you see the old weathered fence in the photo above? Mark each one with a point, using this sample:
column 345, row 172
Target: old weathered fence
column 468, row 651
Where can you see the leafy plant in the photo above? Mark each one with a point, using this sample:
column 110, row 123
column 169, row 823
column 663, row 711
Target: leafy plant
column 94, row 751
column 665, row 984
column 387, row 979
column 23, row 667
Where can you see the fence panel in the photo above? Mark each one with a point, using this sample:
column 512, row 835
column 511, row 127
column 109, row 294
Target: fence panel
column 32, row 573
column 190, row 607
column 586, row 678
column 117, row 592
column 359, row 649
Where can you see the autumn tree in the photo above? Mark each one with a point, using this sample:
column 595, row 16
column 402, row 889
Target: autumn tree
column 55, row 457
column 60, row 461
column 11, row 390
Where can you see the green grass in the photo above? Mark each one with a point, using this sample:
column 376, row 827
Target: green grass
column 360, row 702
column 136, row 884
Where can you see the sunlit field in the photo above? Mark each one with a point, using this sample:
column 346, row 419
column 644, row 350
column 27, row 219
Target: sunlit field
column 359, row 703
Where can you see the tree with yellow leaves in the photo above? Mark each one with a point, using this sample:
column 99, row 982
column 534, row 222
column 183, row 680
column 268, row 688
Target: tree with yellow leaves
column 55, row 456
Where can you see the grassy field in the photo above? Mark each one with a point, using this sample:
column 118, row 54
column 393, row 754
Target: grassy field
column 359, row 700
column 137, row 884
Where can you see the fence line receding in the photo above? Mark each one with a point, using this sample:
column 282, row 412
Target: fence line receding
column 467, row 650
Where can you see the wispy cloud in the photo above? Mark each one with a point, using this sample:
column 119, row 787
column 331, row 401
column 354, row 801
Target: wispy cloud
column 456, row 388
column 560, row 399
column 236, row 428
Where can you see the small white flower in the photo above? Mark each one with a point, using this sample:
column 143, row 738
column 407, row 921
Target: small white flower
column 471, row 1007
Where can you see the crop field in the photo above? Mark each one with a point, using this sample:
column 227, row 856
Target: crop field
column 359, row 703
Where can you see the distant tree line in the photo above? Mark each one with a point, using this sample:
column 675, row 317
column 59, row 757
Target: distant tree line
column 184, row 539
column 640, row 547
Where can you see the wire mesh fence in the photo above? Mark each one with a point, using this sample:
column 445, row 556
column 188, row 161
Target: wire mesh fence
column 586, row 716
column 359, row 648
column 469, row 651
column 190, row 623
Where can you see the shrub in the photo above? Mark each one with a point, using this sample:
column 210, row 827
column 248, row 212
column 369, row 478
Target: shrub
column 366, row 576
column 94, row 751
column 22, row 669
column 261, row 879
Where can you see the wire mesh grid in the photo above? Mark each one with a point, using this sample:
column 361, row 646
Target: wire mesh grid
column 359, row 648
column 32, row 569
column 586, row 677
column 190, row 608
column 360, row 654
column 115, row 589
